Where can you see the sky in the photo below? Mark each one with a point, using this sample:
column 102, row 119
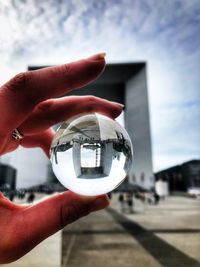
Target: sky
column 164, row 33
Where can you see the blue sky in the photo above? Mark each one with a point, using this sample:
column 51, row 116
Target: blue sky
column 165, row 34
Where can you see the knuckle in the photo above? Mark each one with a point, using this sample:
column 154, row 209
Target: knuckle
column 18, row 81
column 45, row 110
column 90, row 99
column 46, row 105
column 66, row 70
column 19, row 84
column 90, row 103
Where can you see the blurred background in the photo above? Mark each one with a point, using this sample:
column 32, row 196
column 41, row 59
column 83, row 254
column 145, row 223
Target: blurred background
column 158, row 43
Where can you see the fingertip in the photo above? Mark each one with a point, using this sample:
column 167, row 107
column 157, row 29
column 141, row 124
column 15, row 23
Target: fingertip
column 100, row 203
column 114, row 111
column 74, row 206
column 98, row 62
column 94, row 202
column 99, row 56
column 118, row 110
column 119, row 105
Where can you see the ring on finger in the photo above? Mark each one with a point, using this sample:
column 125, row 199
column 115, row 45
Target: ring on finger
column 17, row 135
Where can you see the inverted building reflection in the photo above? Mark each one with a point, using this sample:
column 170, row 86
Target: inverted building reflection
column 93, row 157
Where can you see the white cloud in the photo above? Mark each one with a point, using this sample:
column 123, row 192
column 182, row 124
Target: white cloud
column 163, row 33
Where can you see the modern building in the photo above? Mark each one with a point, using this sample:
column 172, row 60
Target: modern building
column 181, row 177
column 125, row 83
column 7, row 177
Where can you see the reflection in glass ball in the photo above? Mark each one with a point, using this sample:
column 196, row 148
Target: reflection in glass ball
column 91, row 154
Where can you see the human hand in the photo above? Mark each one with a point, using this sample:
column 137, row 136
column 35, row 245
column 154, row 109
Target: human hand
column 27, row 102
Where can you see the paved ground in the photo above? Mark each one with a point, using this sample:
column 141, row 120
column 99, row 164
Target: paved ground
column 46, row 254
column 166, row 235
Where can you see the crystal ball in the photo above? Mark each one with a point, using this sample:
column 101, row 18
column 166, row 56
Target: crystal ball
column 91, row 154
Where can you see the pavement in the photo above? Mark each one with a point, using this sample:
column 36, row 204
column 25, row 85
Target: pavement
column 47, row 253
column 166, row 235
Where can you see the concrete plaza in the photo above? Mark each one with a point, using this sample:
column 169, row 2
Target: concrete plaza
column 166, row 235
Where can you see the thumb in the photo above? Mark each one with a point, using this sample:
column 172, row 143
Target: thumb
column 47, row 217
column 53, row 214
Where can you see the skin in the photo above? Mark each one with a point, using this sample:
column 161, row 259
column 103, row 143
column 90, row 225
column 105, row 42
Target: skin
column 28, row 102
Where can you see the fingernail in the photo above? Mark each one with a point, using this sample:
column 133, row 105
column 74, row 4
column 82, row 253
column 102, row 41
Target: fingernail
column 100, row 203
column 102, row 55
column 99, row 56
column 119, row 104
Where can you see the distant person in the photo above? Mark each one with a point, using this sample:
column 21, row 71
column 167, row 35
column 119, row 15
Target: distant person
column 21, row 194
column 11, row 195
column 129, row 199
column 31, row 197
column 110, row 195
column 153, row 198
column 156, row 197
column 121, row 201
column 29, row 108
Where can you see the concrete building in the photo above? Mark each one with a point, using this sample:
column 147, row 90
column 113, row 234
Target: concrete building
column 7, row 177
column 181, row 177
column 125, row 83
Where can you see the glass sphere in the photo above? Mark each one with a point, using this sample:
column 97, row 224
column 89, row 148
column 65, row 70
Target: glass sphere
column 91, row 154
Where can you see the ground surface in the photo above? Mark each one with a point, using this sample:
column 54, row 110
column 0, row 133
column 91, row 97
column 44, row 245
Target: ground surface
column 166, row 235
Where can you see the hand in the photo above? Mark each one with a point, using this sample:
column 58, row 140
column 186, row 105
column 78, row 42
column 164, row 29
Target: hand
column 27, row 102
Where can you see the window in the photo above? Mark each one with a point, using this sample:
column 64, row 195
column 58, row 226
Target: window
column 90, row 155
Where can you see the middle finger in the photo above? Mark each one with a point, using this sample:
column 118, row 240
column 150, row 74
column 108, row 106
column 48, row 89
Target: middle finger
column 53, row 111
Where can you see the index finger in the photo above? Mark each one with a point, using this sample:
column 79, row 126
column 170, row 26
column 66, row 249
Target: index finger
column 21, row 94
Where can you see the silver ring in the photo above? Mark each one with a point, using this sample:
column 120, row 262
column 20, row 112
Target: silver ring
column 17, row 135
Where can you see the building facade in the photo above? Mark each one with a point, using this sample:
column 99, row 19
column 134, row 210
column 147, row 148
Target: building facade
column 7, row 177
column 181, row 177
column 125, row 83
